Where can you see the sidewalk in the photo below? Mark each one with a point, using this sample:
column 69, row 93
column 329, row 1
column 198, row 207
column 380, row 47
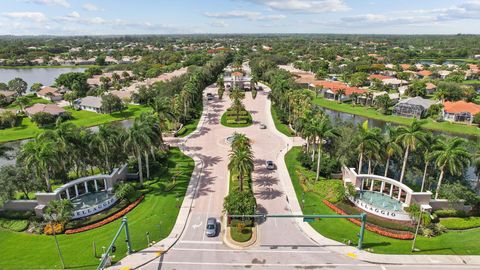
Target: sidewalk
column 340, row 247
column 140, row 258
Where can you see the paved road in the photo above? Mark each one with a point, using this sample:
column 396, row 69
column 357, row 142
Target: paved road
column 281, row 244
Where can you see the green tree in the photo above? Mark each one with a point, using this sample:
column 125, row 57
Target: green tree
column 18, row 85
column 36, row 87
column 124, row 191
column 241, row 163
column 450, row 155
column 368, row 141
column 240, row 203
column 43, row 119
column 322, row 131
column 392, row 148
column 22, row 102
column 410, row 137
column 70, row 97
column 111, row 103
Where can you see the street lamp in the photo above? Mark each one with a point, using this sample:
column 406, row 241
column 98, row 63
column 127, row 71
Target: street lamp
column 416, row 230
column 53, row 219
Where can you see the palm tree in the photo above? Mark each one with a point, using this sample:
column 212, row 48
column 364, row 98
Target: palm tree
column 161, row 105
column 240, row 141
column 390, row 145
column 450, row 155
column 430, row 141
column 340, row 93
column 354, row 98
column 220, row 87
column 409, row 137
column 135, row 142
column 368, row 141
column 22, row 102
column 153, row 131
column 41, row 156
column 322, row 131
column 241, row 162
column 476, row 161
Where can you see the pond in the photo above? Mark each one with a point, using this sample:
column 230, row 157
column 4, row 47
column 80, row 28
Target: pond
column 45, row 76
column 340, row 117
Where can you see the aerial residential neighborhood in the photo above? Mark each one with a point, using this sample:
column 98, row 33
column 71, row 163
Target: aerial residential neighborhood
column 282, row 134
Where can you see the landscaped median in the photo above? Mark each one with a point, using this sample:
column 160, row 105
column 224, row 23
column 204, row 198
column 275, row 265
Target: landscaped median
column 155, row 214
column 451, row 242
column 372, row 113
column 232, row 118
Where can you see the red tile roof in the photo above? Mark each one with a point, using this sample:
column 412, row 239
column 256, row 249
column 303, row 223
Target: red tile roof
column 237, row 74
column 424, row 73
column 461, row 106
column 335, row 86
column 379, row 77
column 405, row 66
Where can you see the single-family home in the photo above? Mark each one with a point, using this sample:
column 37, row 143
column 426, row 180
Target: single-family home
column 394, row 82
column 431, row 88
column 89, row 103
column 50, row 93
column 9, row 95
column 460, row 111
column 52, row 109
column 124, row 95
column 412, row 107
column 330, row 90
column 443, row 74
column 424, row 74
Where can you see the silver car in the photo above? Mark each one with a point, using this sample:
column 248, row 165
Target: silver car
column 211, row 230
column 270, row 165
column 263, row 126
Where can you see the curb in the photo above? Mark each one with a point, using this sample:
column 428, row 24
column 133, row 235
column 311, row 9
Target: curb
column 227, row 238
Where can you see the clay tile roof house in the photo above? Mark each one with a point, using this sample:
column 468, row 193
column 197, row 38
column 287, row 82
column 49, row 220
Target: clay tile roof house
column 405, row 66
column 379, row 77
column 46, row 108
column 330, row 90
column 50, row 93
column 9, row 95
column 430, row 87
column 460, row 111
column 125, row 95
column 424, row 74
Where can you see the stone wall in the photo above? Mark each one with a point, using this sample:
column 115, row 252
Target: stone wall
column 445, row 204
column 20, row 205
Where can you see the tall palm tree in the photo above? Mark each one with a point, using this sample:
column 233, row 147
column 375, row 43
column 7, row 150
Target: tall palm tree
column 161, row 105
column 41, row 156
column 340, row 93
column 390, row 145
column 410, row 137
column 368, row 141
column 135, row 142
column 322, row 131
column 430, row 141
column 241, row 162
column 153, row 131
column 450, row 155
column 240, row 141
column 476, row 162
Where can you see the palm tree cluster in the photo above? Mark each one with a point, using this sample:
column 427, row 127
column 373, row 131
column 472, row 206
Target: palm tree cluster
column 69, row 150
column 241, row 159
column 237, row 95
column 399, row 146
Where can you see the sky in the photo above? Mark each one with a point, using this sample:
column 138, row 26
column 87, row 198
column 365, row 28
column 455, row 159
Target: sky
column 122, row 17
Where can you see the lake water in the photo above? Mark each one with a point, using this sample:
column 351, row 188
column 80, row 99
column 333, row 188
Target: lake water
column 45, row 76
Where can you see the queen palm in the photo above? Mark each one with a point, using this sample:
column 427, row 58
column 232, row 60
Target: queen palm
column 322, row 130
column 368, row 141
column 340, row 93
column 241, row 163
column 430, row 142
column 153, row 130
column 390, row 145
column 41, row 156
column 240, row 141
column 161, row 105
column 220, row 87
column 136, row 141
column 476, row 162
column 410, row 137
column 450, row 155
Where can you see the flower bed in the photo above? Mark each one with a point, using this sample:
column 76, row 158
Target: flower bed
column 111, row 218
column 372, row 228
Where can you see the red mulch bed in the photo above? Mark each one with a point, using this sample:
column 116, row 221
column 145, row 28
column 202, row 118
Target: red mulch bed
column 370, row 227
column 109, row 219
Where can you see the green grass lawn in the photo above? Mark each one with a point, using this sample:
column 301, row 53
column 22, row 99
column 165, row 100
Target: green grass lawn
column 31, row 101
column 156, row 214
column 188, row 128
column 283, row 128
column 230, row 120
column 28, row 129
column 460, row 223
column 374, row 114
column 342, row 230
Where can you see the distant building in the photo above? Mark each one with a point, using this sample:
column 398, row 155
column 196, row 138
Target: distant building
column 51, row 109
column 9, row 95
column 50, row 93
column 431, row 88
column 412, row 107
column 89, row 103
column 460, row 111
column 424, row 74
column 236, row 79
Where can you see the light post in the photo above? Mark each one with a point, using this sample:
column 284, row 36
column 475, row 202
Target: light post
column 53, row 219
column 416, row 230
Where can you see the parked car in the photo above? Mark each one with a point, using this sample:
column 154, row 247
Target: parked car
column 209, row 96
column 263, row 126
column 270, row 165
column 211, row 230
column 260, row 88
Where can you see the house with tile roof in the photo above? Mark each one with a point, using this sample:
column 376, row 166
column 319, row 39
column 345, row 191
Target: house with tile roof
column 330, row 90
column 50, row 93
column 51, row 109
column 460, row 111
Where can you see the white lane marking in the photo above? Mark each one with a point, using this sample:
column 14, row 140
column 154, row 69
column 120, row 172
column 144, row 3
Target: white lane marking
column 200, row 242
column 252, row 250
column 266, row 264
column 196, row 226
column 383, row 267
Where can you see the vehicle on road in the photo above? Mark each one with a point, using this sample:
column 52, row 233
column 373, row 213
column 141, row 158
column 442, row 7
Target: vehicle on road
column 263, row 126
column 209, row 96
column 270, row 165
column 211, row 230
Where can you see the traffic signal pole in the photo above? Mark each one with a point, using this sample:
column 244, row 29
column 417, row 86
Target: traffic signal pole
column 310, row 218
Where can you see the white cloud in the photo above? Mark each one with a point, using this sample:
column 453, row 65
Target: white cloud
column 305, row 6
column 74, row 14
column 62, row 3
column 31, row 16
column 90, row 7
column 219, row 24
column 241, row 14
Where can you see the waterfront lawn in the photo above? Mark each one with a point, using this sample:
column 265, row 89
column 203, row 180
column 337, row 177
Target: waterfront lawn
column 31, row 101
column 342, row 230
column 28, row 129
column 156, row 214
column 372, row 113
column 283, row 128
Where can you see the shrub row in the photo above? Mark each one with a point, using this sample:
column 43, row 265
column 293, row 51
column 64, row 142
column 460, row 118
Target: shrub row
column 114, row 217
column 370, row 227
column 460, row 223
column 233, row 121
column 450, row 213
column 14, row 224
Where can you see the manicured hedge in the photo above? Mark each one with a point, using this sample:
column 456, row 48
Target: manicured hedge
column 16, row 225
column 450, row 213
column 460, row 223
